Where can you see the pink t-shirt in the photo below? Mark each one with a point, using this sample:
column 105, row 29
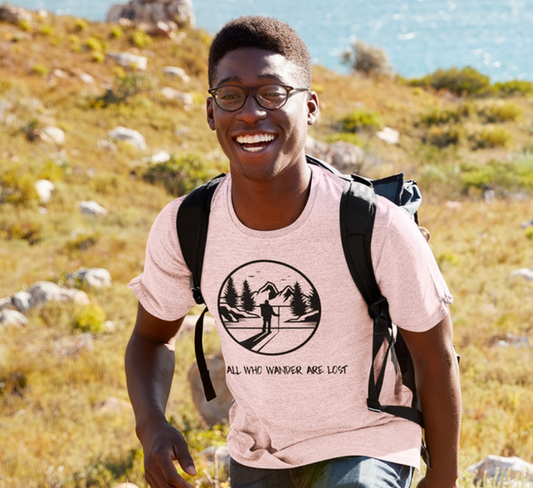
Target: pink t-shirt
column 295, row 332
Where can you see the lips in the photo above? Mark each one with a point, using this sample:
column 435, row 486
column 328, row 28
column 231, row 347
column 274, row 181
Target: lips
column 254, row 142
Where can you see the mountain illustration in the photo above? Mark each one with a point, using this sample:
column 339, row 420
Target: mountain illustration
column 269, row 289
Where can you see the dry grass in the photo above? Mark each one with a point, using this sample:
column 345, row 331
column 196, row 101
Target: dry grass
column 52, row 431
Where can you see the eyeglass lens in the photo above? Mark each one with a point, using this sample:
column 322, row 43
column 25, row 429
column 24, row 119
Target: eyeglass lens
column 268, row 96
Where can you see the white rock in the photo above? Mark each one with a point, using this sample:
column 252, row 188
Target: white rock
column 503, row 468
column 130, row 136
column 46, row 291
column 109, row 326
column 6, row 303
column 22, row 301
column 44, row 189
column 87, row 78
column 128, row 60
column 173, row 94
column 12, row 317
column 59, row 73
column 52, row 135
column 389, row 135
column 159, row 157
column 96, row 278
column 525, row 272
column 92, row 208
column 175, row 72
column 68, row 346
column 114, row 12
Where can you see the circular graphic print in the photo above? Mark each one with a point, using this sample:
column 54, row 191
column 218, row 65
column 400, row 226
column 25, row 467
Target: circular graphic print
column 269, row 307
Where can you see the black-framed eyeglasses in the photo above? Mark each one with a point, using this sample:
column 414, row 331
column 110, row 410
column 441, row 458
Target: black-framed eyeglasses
column 271, row 96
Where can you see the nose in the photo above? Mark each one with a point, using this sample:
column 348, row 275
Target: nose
column 251, row 110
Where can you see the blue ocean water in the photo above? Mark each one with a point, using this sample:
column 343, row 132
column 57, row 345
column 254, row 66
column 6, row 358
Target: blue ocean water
column 419, row 36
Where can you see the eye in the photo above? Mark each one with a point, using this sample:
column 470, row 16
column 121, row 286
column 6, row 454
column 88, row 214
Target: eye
column 229, row 94
column 272, row 93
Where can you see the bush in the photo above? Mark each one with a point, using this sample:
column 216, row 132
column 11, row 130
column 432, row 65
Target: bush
column 467, row 81
column 81, row 25
column 361, row 120
column 25, row 230
column 181, row 174
column 82, row 240
column 93, row 44
column 116, row 32
column 347, row 137
column 514, row 87
column 445, row 136
column 90, row 319
column 500, row 112
column 17, row 188
column 39, row 69
column 491, row 137
column 438, row 116
column 126, row 87
column 47, row 30
column 141, row 39
column 368, row 59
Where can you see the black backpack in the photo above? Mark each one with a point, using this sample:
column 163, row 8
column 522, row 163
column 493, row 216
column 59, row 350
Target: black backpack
column 357, row 212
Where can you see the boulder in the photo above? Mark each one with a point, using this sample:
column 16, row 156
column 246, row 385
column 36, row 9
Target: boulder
column 47, row 291
column 503, row 469
column 52, row 135
column 172, row 94
column 14, row 15
column 175, row 72
column 158, row 157
column 86, row 78
column 391, row 136
column 44, row 189
column 112, row 404
column 6, row 303
column 128, row 60
column 96, row 278
column 220, row 458
column 130, row 136
column 162, row 29
column 12, row 317
column 22, row 301
column 524, row 272
column 70, row 346
column 344, row 156
column 92, row 208
column 154, row 11
column 217, row 410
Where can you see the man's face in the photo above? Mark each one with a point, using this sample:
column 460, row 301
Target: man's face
column 261, row 143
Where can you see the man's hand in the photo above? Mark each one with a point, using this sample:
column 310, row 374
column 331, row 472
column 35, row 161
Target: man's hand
column 162, row 445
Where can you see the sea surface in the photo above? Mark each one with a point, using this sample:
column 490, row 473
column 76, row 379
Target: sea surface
column 419, row 36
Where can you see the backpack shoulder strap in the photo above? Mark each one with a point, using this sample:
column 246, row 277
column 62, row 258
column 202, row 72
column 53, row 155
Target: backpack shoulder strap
column 357, row 215
column 192, row 223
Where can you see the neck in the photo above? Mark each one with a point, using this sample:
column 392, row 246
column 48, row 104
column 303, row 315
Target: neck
column 274, row 203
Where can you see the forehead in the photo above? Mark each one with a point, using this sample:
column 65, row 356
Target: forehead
column 251, row 66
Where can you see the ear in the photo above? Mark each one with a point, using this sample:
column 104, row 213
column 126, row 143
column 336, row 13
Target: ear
column 312, row 108
column 209, row 106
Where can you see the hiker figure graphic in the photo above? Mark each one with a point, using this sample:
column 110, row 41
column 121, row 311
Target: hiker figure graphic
column 266, row 312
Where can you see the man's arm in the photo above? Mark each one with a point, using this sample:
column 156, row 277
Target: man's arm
column 437, row 381
column 149, row 372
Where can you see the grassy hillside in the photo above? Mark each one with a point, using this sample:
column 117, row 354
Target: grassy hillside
column 472, row 157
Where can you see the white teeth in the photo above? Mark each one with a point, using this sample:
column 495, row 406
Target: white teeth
column 255, row 138
column 252, row 149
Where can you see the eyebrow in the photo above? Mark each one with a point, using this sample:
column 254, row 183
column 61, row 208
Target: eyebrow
column 238, row 79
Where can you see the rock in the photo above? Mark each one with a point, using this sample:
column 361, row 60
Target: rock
column 112, row 404
column 219, row 456
column 96, row 278
column 346, row 157
column 14, row 15
column 128, row 60
column 154, row 11
column 527, row 224
column 22, row 300
column 525, row 272
column 513, row 341
column 6, row 304
column 503, row 469
column 454, row 205
column 44, row 189
column 52, row 135
column 159, row 157
column 12, row 317
column 391, row 136
column 46, row 291
column 175, row 72
column 86, row 78
column 92, row 208
column 172, row 94
column 68, row 346
column 162, row 29
column 59, row 73
column 217, row 410
column 130, row 136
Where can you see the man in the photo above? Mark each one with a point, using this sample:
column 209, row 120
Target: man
column 272, row 218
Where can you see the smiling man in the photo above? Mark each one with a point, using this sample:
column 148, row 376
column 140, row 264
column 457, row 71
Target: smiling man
column 274, row 239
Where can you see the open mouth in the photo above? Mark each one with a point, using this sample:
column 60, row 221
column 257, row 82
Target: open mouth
column 255, row 142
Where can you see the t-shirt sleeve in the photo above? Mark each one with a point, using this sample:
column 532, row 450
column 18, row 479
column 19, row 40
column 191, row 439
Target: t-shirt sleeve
column 163, row 287
column 406, row 271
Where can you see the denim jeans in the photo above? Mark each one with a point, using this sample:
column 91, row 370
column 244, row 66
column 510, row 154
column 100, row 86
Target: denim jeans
column 345, row 472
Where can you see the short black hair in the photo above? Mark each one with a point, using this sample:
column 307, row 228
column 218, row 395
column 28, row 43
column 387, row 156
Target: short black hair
column 257, row 31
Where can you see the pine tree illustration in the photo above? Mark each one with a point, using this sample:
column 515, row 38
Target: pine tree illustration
column 247, row 300
column 298, row 305
column 314, row 300
column 230, row 294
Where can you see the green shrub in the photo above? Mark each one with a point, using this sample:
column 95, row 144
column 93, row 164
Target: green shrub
column 141, row 39
column 529, row 233
column 17, row 188
column 126, row 87
column 39, row 69
column 116, row 32
column 181, row 174
column 52, row 171
column 491, row 137
column 494, row 113
column 347, row 137
column 438, row 116
column 90, row 319
column 514, row 87
column 25, row 25
column 443, row 136
column 93, row 44
column 81, row 25
column 467, row 81
column 98, row 57
column 361, row 120
column 368, row 59
column 82, row 240
column 47, row 30
column 25, row 230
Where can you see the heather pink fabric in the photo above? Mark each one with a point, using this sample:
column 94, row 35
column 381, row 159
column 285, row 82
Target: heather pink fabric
column 295, row 332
